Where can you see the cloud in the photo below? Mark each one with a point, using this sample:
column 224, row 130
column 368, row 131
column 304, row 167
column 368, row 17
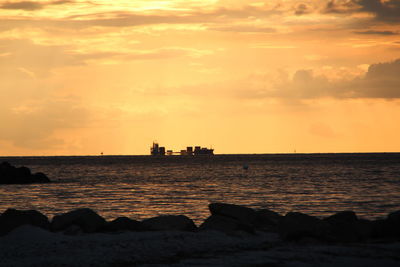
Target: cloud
column 115, row 19
column 167, row 52
column 376, row 32
column 25, row 58
column 24, row 5
column 244, row 28
column 302, row 9
column 380, row 81
column 30, row 5
column 386, row 11
column 341, row 7
column 22, row 53
column 123, row 18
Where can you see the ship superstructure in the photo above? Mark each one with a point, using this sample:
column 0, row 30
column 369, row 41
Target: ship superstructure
column 157, row 150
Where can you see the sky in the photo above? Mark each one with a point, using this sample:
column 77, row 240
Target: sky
column 81, row 77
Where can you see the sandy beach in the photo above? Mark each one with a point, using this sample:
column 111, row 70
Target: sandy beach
column 32, row 246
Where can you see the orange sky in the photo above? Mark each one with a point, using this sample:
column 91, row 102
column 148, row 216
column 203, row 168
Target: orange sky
column 83, row 77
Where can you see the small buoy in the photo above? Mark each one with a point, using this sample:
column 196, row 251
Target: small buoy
column 245, row 167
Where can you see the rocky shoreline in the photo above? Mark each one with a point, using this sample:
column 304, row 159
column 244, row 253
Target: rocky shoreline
column 342, row 227
column 232, row 235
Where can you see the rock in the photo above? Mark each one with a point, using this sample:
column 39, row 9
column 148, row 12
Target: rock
column 13, row 218
column 7, row 172
column 240, row 213
column 123, row 224
column 267, row 220
column 344, row 226
column 86, row 219
column 225, row 224
column 169, row 222
column 22, row 175
column 40, row 177
column 388, row 228
column 364, row 230
column 394, row 223
column 380, row 229
column 296, row 226
column 393, row 220
column 342, row 217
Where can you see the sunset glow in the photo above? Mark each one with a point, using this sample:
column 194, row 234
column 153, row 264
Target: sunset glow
column 84, row 77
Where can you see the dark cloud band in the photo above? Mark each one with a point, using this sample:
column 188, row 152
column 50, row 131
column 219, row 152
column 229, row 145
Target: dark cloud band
column 31, row 5
column 386, row 11
column 376, row 32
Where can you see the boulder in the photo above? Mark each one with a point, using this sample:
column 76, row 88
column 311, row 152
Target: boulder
column 168, row 223
column 267, row 220
column 388, row 228
column 344, row 226
column 380, row 229
column 242, row 214
column 394, row 217
column 123, row 224
column 88, row 220
column 13, row 218
column 225, row 224
column 22, row 175
column 40, row 177
column 394, row 223
column 7, row 173
column 296, row 226
column 342, row 217
column 364, row 230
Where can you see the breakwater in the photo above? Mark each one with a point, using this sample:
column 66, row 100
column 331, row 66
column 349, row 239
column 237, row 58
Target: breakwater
column 340, row 227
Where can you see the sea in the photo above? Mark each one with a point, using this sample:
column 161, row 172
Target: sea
column 141, row 187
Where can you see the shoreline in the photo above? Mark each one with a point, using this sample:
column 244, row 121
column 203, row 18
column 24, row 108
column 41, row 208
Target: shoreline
column 224, row 217
column 231, row 236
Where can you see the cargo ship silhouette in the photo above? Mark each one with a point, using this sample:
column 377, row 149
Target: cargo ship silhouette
column 157, row 150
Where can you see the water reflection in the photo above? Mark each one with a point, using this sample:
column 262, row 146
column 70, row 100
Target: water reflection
column 140, row 190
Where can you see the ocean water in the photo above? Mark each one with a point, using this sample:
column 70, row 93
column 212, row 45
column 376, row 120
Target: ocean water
column 141, row 187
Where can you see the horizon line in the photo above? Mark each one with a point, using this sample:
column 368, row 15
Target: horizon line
column 222, row 154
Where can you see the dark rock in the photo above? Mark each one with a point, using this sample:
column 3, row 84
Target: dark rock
column 342, row 217
column 267, row 220
column 296, row 226
column 169, row 222
column 242, row 214
column 344, row 226
column 225, row 224
column 86, row 219
column 388, row 228
column 13, row 218
column 22, row 175
column 394, row 217
column 380, row 229
column 394, row 223
column 364, row 230
column 7, row 173
column 123, row 224
column 5, row 166
column 40, row 177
